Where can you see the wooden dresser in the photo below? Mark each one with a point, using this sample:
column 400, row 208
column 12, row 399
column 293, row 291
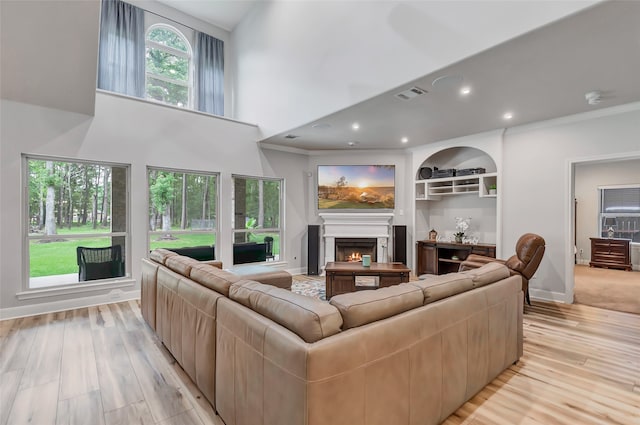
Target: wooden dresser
column 610, row 253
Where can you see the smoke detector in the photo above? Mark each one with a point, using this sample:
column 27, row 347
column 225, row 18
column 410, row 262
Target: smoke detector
column 593, row 97
column 410, row 93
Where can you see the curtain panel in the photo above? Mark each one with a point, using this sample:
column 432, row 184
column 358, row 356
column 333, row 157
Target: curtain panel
column 209, row 56
column 121, row 60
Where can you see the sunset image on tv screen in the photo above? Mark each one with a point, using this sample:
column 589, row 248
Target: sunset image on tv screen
column 356, row 187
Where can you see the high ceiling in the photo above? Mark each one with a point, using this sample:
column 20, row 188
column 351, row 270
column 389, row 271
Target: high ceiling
column 541, row 75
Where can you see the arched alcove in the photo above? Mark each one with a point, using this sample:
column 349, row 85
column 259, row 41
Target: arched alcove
column 459, row 157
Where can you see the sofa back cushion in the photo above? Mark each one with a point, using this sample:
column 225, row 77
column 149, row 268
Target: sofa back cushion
column 160, row 255
column 309, row 318
column 362, row 307
column 435, row 288
column 213, row 278
column 180, row 264
column 488, row 273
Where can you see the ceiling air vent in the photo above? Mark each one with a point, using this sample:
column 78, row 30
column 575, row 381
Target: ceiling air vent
column 410, row 93
column 291, row 136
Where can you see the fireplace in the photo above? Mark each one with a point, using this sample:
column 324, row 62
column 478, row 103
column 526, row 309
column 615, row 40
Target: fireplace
column 352, row 249
column 358, row 226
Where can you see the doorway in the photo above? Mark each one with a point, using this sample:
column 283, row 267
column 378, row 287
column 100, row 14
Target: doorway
column 600, row 287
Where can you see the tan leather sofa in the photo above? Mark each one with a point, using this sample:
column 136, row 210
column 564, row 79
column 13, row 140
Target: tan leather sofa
column 410, row 353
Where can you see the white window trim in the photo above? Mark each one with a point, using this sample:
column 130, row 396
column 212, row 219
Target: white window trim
column 72, row 287
column 189, row 55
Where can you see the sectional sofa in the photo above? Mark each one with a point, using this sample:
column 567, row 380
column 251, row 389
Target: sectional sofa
column 406, row 354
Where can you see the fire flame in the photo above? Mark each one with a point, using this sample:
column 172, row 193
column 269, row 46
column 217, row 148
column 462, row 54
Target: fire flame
column 355, row 256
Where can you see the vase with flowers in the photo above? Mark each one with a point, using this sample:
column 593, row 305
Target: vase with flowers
column 462, row 225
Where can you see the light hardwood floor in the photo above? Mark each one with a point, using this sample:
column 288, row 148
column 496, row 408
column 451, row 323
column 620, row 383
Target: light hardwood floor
column 103, row 365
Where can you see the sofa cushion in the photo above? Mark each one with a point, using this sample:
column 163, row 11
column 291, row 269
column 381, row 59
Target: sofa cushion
column 437, row 287
column 362, row 307
column 180, row 264
column 488, row 273
column 213, row 278
column 160, row 255
column 264, row 274
column 309, row 318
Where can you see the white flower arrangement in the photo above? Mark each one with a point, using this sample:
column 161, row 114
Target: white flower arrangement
column 462, row 225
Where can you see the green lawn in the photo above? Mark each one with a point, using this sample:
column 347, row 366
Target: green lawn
column 59, row 257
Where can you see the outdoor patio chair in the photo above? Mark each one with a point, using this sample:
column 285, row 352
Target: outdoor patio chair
column 99, row 263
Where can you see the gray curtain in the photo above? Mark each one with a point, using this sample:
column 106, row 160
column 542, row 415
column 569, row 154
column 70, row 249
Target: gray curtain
column 121, row 59
column 209, row 56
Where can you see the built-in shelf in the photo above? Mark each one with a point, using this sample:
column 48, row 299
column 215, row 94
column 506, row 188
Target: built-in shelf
column 434, row 189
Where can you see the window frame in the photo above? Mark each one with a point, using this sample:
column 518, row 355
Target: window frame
column 602, row 229
column 279, row 229
column 216, row 229
column 29, row 292
column 173, row 51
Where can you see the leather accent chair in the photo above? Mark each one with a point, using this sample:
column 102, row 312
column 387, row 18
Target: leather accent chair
column 529, row 251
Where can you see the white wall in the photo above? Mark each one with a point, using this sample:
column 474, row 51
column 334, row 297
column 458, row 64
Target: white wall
column 588, row 177
column 536, row 186
column 123, row 131
column 329, row 55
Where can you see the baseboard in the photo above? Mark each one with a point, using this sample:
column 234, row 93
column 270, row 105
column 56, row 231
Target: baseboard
column 115, row 296
column 544, row 295
column 583, row 262
column 299, row 270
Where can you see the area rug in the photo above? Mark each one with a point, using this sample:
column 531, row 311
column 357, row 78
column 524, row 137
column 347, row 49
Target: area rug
column 309, row 286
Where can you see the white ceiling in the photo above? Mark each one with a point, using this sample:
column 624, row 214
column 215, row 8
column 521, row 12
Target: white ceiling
column 541, row 75
column 225, row 14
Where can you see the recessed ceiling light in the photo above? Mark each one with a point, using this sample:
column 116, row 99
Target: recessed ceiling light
column 465, row 90
column 404, row 140
column 355, row 126
column 507, row 115
column 291, row 136
column 352, row 144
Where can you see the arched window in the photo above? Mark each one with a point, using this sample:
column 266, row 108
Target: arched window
column 168, row 66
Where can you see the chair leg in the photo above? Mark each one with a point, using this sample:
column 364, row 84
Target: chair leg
column 527, row 297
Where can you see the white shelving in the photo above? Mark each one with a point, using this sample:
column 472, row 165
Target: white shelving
column 434, row 189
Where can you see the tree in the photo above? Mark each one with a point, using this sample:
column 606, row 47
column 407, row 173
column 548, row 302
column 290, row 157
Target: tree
column 183, row 218
column 50, row 221
column 162, row 194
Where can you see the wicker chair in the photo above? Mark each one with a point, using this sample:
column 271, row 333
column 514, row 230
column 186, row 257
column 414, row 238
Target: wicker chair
column 99, row 263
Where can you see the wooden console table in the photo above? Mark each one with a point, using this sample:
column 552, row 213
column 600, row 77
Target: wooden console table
column 610, row 253
column 445, row 257
column 341, row 276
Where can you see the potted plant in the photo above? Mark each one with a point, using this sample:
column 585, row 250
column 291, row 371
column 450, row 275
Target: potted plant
column 493, row 189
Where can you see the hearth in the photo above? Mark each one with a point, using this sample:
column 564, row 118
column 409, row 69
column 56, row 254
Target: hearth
column 352, row 249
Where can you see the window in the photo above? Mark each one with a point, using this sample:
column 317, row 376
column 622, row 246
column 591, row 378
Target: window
column 620, row 212
column 257, row 233
column 168, row 62
column 73, row 204
column 183, row 211
column 168, row 66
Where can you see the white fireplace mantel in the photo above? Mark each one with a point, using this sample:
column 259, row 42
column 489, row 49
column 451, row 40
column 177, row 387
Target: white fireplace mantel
column 356, row 225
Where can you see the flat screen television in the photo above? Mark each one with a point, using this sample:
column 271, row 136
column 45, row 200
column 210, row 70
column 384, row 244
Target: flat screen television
column 347, row 187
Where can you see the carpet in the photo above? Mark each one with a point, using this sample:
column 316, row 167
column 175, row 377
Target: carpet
column 606, row 288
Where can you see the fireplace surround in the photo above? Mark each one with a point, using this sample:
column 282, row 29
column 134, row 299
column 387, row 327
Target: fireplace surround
column 375, row 226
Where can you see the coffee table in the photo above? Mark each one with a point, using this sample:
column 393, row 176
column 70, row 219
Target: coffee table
column 343, row 277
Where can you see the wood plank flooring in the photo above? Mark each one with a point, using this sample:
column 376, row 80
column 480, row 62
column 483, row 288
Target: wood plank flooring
column 103, row 365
